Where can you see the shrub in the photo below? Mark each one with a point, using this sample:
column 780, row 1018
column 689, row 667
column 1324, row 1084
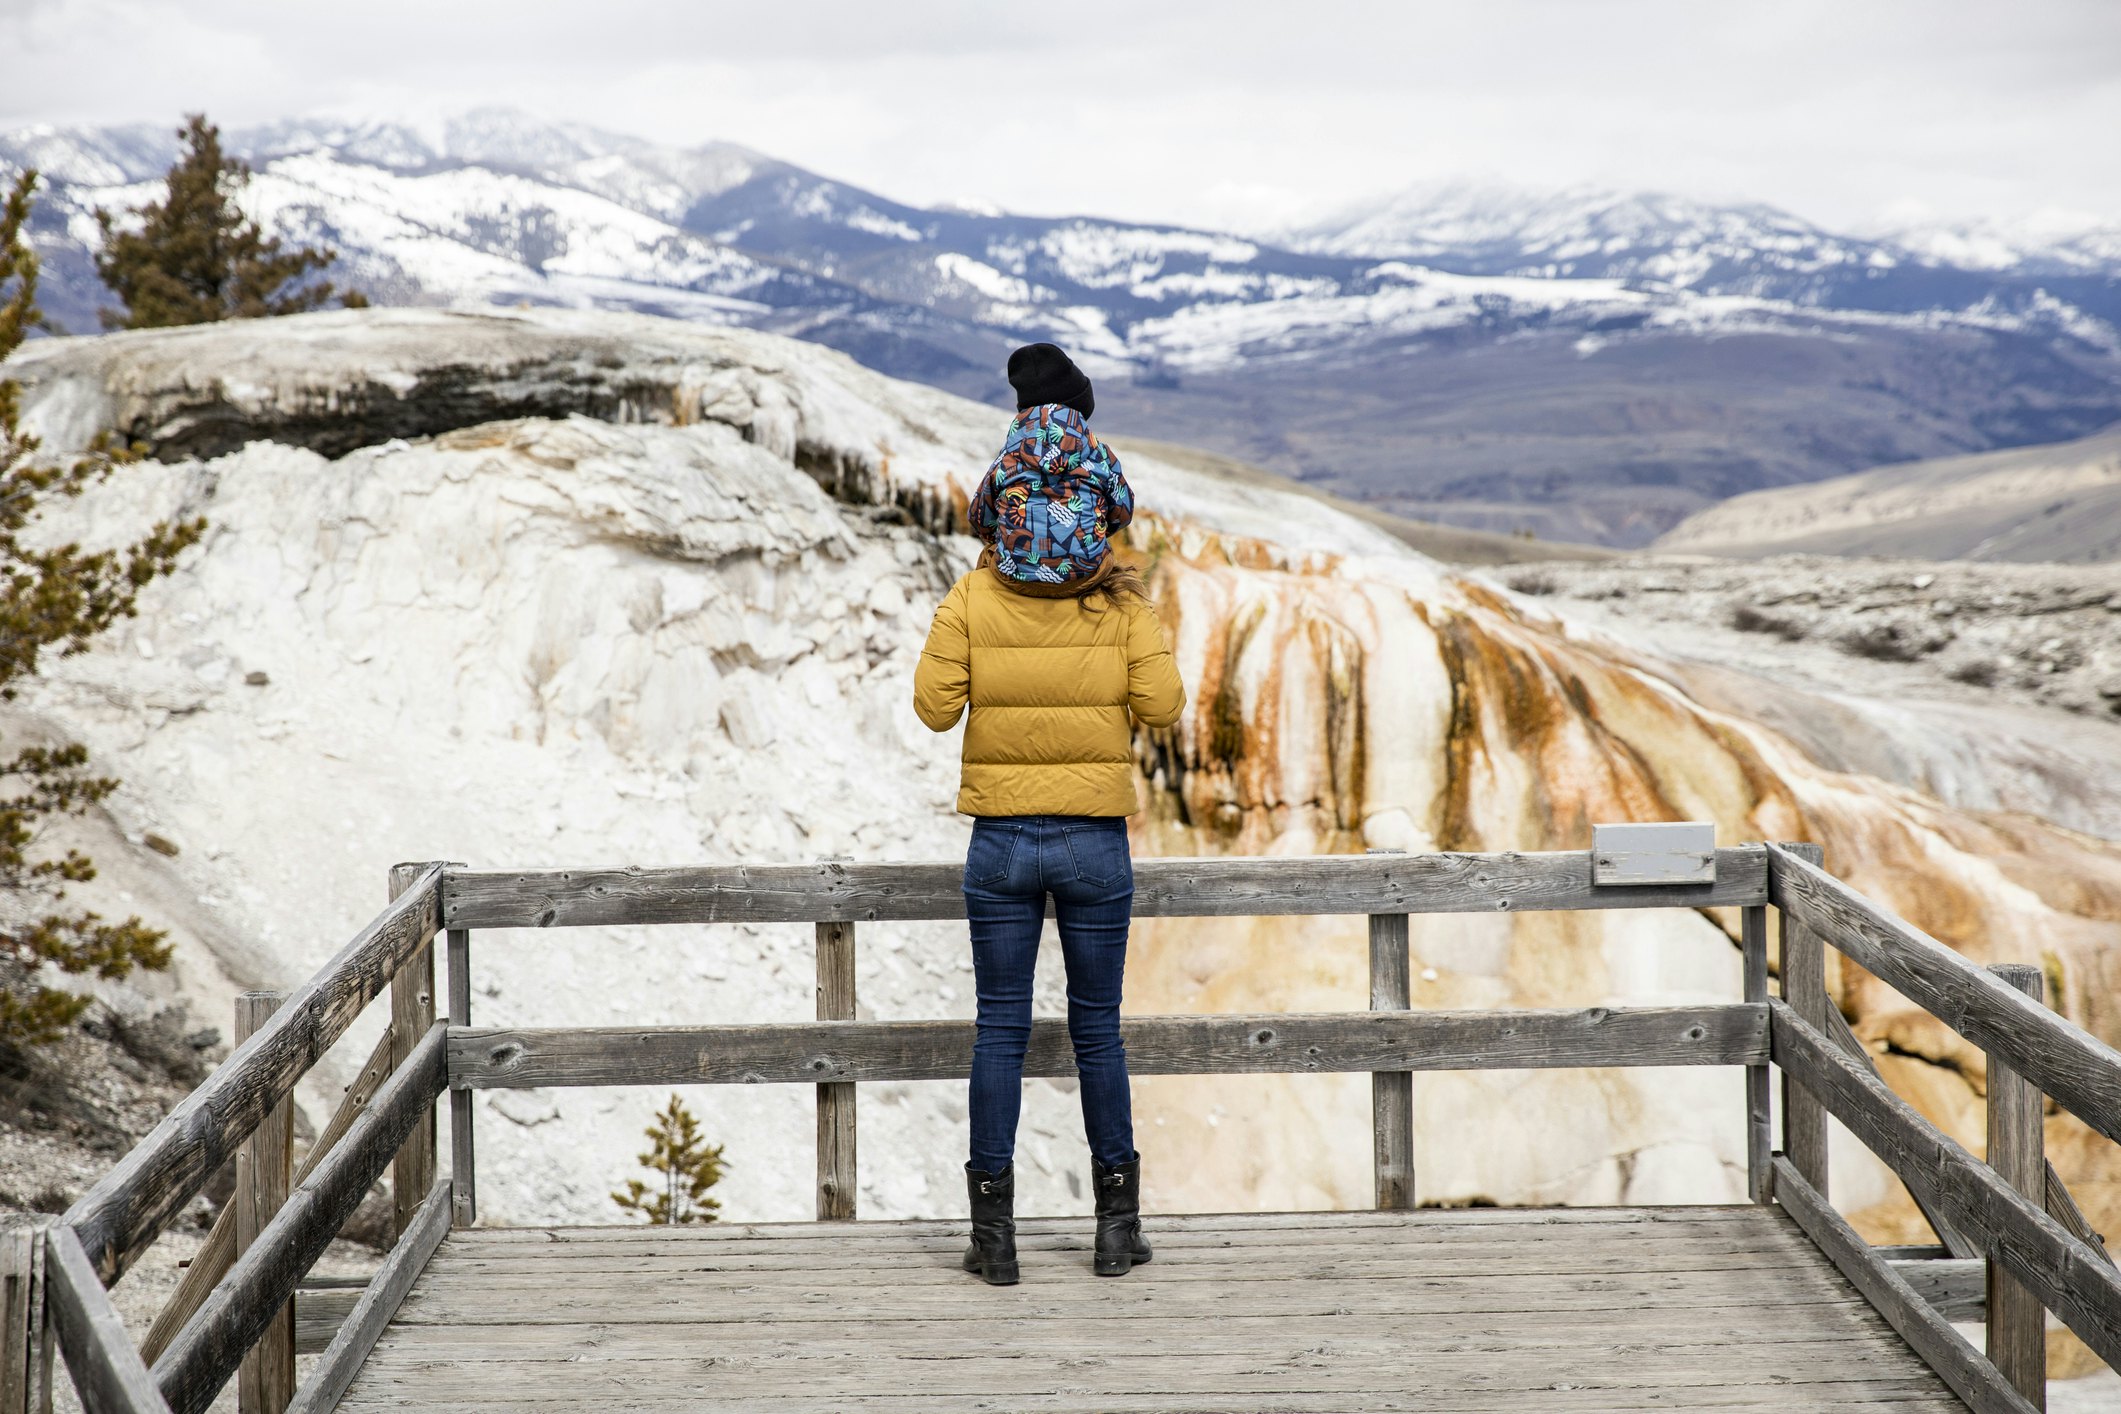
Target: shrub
column 60, row 598
column 685, row 1166
column 1747, row 619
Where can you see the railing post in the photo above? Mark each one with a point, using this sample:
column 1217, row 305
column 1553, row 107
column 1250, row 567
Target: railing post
column 1391, row 1091
column 2017, row 1151
column 25, row 1330
column 1759, row 1140
column 412, row 1013
column 264, row 1172
column 836, row 1174
column 463, row 1166
column 1804, row 988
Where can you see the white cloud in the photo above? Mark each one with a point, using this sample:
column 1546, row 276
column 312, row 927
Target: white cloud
column 1251, row 111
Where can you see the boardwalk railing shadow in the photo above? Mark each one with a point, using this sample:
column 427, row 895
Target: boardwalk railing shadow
column 2011, row 1247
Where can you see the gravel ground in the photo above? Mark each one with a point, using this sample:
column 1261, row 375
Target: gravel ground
column 2046, row 635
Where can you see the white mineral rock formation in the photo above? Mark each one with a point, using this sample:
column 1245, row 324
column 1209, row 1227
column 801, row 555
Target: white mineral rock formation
column 548, row 589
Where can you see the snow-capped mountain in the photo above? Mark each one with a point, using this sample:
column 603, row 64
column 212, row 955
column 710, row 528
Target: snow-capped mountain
column 2046, row 242
column 1588, row 365
column 1739, row 249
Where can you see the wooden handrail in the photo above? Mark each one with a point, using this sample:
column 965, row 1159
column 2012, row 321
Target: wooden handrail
column 792, row 1052
column 210, row 1263
column 206, row 1352
column 108, row 1372
column 1252, row 886
column 122, row 1214
column 2079, row 1070
column 2069, row 1278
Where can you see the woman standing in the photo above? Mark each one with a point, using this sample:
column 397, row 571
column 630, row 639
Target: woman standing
column 1052, row 645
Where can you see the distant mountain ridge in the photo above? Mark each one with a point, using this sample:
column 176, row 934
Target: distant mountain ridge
column 1583, row 365
column 2058, row 504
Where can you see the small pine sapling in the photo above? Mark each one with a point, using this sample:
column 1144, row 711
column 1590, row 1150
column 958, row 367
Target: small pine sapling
column 685, row 1166
column 57, row 597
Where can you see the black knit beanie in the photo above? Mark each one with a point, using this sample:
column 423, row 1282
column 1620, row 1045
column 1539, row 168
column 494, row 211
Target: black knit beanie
column 1041, row 373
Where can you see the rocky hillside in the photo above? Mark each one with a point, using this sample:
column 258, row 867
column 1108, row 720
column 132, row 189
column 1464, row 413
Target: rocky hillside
column 553, row 588
column 1991, row 686
column 2058, row 504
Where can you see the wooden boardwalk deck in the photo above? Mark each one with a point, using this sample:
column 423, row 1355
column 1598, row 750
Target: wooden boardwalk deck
column 1726, row 1308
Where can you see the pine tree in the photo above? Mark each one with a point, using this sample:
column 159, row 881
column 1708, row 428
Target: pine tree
column 197, row 258
column 57, row 597
column 685, row 1165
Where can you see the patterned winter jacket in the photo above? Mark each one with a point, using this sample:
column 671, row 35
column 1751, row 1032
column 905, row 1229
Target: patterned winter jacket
column 1050, row 500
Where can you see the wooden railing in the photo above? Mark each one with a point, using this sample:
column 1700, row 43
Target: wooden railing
column 2036, row 1243
column 836, row 1053
column 238, row 1287
column 2011, row 1213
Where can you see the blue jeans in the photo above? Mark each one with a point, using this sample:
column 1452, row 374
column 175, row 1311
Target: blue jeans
column 1014, row 861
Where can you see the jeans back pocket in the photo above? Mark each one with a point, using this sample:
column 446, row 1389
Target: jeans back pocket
column 988, row 857
column 1100, row 855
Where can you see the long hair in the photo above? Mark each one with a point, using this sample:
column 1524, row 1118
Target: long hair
column 1114, row 587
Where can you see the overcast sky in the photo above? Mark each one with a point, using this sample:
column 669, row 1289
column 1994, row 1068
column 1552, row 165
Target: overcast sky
column 1248, row 112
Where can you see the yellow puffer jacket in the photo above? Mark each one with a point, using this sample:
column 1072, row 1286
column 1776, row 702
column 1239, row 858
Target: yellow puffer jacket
column 1050, row 683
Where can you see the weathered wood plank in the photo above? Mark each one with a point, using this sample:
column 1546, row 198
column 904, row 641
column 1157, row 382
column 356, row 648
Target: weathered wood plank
column 1202, row 1249
column 1853, row 1322
column 378, row 1303
column 1276, row 1367
column 2080, row 1071
column 2067, row 1276
column 1804, row 988
column 1734, row 1217
column 108, row 1372
column 936, row 1270
column 1391, row 1091
column 210, row 1263
column 127, row 1209
column 1730, row 1034
column 836, row 1159
column 1163, row 888
column 1759, row 1132
column 2017, row 1152
column 1519, row 1331
column 1063, row 1294
column 1626, row 1248
column 463, row 1157
column 412, row 1012
column 1962, row 1367
column 264, row 1173
column 25, row 1341
column 2062, row 1207
column 318, row 1316
column 1956, row 1288
column 1839, row 1030
column 204, row 1354
column 1891, row 1395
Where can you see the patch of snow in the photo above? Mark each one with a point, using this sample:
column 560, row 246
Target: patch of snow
column 989, row 281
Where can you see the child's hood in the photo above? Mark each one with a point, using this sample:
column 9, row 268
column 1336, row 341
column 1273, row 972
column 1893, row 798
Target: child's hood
column 1056, row 436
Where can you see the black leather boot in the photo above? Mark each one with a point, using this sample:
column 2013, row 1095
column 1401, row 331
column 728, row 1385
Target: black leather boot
column 993, row 1250
column 1120, row 1245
